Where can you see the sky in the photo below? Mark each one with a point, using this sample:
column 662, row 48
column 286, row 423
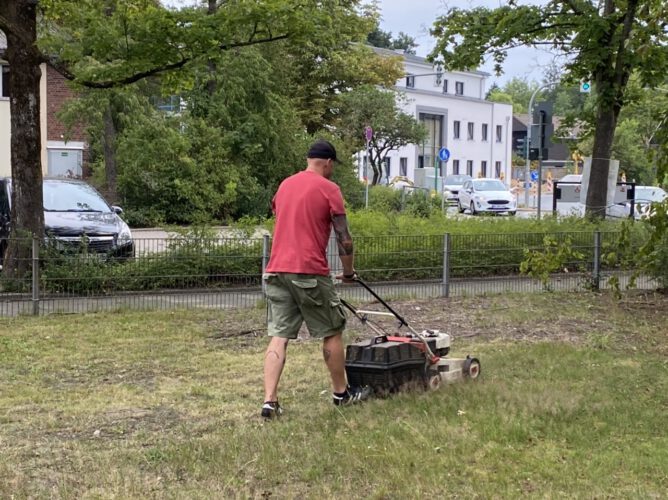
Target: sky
column 415, row 18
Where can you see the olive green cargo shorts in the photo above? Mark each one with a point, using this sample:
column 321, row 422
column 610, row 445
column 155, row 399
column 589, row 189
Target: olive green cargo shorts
column 295, row 298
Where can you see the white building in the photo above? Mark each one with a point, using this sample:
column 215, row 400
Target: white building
column 477, row 133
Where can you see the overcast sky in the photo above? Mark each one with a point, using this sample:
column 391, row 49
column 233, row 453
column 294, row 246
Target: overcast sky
column 415, row 18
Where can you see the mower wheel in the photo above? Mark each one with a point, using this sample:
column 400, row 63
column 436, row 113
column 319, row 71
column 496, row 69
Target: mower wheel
column 471, row 368
column 434, row 381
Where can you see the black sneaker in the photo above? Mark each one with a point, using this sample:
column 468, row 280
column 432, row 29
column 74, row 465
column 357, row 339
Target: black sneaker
column 271, row 410
column 352, row 396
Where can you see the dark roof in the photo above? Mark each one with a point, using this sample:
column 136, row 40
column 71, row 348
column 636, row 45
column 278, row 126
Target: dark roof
column 418, row 59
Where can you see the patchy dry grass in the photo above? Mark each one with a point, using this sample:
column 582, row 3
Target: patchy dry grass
column 572, row 403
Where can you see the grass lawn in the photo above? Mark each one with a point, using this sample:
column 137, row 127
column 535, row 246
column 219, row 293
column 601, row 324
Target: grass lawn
column 572, row 403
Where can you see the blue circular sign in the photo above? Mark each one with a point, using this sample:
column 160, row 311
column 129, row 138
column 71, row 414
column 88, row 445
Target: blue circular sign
column 534, row 175
column 444, row 154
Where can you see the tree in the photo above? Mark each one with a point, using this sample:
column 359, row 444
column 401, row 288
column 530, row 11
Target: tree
column 380, row 109
column 604, row 41
column 384, row 40
column 380, row 38
column 110, row 43
column 105, row 114
column 404, row 42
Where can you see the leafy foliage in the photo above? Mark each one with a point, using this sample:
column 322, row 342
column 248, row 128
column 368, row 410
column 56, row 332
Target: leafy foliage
column 392, row 128
column 555, row 256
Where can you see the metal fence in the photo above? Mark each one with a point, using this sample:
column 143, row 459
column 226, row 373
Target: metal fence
column 199, row 272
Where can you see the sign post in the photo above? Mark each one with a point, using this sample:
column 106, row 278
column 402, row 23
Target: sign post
column 444, row 155
column 368, row 135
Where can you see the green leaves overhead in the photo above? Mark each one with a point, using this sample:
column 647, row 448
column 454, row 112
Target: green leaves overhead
column 108, row 43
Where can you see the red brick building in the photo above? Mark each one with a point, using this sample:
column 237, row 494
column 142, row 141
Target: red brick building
column 61, row 155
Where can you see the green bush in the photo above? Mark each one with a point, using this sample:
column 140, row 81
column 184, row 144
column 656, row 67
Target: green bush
column 653, row 255
column 388, row 247
column 192, row 259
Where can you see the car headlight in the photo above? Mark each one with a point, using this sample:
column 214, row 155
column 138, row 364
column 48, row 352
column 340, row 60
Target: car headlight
column 124, row 235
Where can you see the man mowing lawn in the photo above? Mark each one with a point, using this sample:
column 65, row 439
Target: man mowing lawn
column 298, row 284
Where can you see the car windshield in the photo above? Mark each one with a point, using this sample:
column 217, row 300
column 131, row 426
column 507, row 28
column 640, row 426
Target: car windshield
column 650, row 194
column 67, row 196
column 457, row 179
column 489, row 185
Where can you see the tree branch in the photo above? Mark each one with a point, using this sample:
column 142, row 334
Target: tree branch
column 64, row 70
column 621, row 73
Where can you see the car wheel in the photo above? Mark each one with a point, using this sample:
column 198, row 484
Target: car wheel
column 512, row 213
column 473, row 212
column 459, row 207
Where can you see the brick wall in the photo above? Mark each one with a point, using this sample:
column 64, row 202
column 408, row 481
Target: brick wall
column 57, row 93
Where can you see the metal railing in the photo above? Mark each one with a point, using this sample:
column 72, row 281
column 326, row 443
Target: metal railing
column 199, row 272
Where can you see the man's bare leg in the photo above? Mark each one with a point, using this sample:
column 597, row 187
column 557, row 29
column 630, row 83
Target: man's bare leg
column 274, row 361
column 335, row 359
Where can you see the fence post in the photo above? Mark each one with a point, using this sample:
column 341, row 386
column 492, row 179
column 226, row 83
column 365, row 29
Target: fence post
column 35, row 276
column 597, row 260
column 265, row 259
column 446, row 265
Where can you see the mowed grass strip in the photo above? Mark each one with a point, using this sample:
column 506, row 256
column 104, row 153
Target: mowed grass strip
column 572, row 403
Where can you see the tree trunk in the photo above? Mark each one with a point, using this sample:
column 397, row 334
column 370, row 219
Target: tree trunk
column 27, row 215
column 597, row 192
column 374, row 167
column 109, row 140
column 611, row 77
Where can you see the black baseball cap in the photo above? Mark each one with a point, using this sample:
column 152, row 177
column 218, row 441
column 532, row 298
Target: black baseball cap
column 322, row 149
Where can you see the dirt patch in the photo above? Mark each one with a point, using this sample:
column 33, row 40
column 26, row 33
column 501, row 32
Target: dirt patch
column 568, row 318
column 119, row 424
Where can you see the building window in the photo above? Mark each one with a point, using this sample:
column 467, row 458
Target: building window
column 459, row 88
column 403, row 166
column 483, row 168
column 386, row 165
column 484, row 132
column 497, row 168
column 469, row 135
column 4, row 83
column 469, row 167
column 455, row 129
column 410, row 82
column 445, row 86
column 455, row 167
column 432, row 143
column 499, row 133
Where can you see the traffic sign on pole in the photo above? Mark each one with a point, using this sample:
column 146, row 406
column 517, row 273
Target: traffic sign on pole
column 368, row 133
column 444, row 154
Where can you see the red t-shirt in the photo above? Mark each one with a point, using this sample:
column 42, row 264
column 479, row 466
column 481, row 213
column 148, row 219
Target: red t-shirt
column 304, row 205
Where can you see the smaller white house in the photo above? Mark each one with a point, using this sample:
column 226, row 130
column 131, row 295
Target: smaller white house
column 476, row 132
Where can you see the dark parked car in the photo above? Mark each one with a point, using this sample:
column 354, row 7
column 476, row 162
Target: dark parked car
column 74, row 213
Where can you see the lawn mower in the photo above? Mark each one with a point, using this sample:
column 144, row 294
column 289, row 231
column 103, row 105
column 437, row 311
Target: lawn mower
column 403, row 360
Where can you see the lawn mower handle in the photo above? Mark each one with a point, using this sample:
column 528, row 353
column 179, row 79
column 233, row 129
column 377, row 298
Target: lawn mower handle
column 431, row 357
column 402, row 321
